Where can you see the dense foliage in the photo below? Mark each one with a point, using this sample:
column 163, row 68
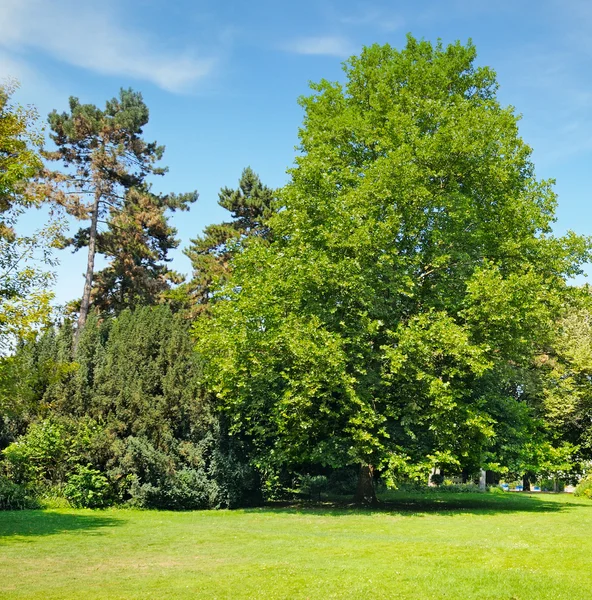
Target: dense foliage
column 25, row 260
column 399, row 310
column 412, row 279
column 123, row 418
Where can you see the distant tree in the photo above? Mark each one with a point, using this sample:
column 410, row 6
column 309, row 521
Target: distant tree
column 251, row 205
column 413, row 262
column 567, row 371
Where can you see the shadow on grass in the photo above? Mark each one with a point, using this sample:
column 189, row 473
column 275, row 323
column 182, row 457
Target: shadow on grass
column 442, row 504
column 28, row 523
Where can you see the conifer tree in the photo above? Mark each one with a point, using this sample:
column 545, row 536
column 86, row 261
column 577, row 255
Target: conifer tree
column 136, row 243
column 104, row 156
column 250, row 205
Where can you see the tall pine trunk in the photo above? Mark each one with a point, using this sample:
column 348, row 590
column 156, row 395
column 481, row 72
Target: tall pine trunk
column 90, row 269
column 365, row 492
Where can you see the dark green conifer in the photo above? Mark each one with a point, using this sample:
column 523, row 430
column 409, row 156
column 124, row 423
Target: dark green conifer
column 250, row 205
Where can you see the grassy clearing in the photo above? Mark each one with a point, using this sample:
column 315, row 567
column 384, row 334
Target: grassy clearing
column 438, row 546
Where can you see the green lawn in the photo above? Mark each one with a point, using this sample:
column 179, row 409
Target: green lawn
column 438, row 546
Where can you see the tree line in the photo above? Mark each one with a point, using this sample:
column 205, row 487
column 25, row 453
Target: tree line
column 401, row 305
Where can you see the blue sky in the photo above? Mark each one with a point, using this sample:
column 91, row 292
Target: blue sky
column 222, row 80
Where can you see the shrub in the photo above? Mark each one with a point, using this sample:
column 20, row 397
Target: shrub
column 50, row 450
column 14, row 496
column 584, row 488
column 88, row 488
column 455, row 488
column 187, row 489
column 343, row 481
column 313, row 485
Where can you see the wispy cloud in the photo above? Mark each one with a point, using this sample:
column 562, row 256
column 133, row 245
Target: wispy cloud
column 375, row 18
column 90, row 36
column 329, row 45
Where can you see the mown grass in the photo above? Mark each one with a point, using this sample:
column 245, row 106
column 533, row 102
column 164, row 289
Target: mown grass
column 416, row 546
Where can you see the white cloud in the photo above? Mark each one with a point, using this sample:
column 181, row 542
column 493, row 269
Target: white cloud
column 89, row 36
column 375, row 18
column 322, row 45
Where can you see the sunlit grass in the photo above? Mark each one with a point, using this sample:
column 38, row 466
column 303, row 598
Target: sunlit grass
column 433, row 546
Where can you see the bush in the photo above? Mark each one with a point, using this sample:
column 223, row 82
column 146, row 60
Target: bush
column 14, row 496
column 455, row 488
column 313, row 485
column 584, row 488
column 50, row 450
column 88, row 488
column 343, row 481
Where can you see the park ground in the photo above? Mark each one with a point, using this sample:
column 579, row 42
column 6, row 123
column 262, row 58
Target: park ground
column 465, row 546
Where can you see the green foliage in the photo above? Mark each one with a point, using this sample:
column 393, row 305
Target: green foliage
column 25, row 261
column 159, row 442
column 14, row 496
column 251, row 206
column 313, row 485
column 88, row 488
column 445, row 488
column 584, row 488
column 411, row 280
column 51, row 449
column 567, row 394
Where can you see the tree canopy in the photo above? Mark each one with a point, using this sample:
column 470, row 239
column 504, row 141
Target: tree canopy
column 24, row 259
column 250, row 205
column 105, row 164
column 412, row 265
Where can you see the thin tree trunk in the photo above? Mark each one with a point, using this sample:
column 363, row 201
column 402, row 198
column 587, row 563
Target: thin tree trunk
column 365, row 493
column 526, row 482
column 90, row 269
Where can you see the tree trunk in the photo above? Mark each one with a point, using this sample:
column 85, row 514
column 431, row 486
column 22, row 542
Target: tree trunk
column 526, row 483
column 365, row 493
column 90, row 268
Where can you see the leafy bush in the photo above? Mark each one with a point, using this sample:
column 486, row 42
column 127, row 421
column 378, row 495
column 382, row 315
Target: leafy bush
column 313, row 485
column 14, row 496
column 88, row 488
column 187, row 489
column 156, row 479
column 457, row 488
column 51, row 450
column 584, row 488
column 38, row 455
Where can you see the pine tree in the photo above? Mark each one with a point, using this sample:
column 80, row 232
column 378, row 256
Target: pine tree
column 104, row 156
column 250, row 205
column 136, row 242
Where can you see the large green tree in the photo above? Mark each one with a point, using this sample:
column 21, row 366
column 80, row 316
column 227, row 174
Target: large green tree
column 413, row 264
column 567, row 378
